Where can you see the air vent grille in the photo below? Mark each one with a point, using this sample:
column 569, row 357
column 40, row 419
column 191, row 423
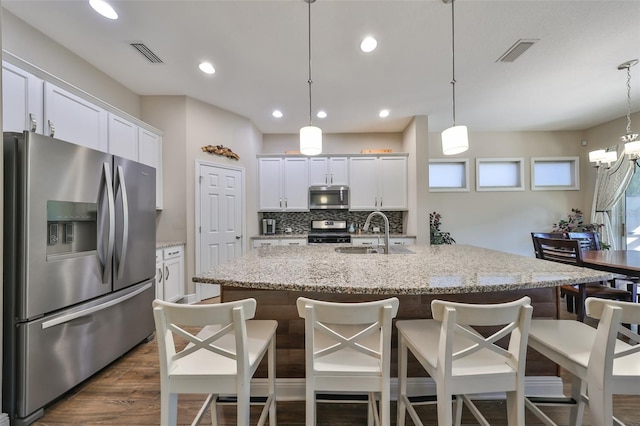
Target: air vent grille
column 147, row 53
column 516, row 50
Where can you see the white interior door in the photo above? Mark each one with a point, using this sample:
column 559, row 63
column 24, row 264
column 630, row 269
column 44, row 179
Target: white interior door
column 219, row 224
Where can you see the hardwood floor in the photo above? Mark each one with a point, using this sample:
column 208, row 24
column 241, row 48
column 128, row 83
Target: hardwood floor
column 128, row 393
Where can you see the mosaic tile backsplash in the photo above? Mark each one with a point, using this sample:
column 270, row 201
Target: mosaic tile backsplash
column 299, row 222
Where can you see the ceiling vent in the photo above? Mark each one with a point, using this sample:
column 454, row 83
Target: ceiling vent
column 147, row 53
column 516, row 50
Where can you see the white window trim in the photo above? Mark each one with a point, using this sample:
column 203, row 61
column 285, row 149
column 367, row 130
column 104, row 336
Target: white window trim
column 464, row 162
column 519, row 161
column 575, row 161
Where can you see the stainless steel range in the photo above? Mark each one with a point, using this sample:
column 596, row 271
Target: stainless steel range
column 328, row 231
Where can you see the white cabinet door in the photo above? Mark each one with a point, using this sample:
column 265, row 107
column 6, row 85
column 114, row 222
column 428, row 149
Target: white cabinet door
column 173, row 273
column 328, row 171
column 150, row 153
column 296, row 184
column 318, row 170
column 392, row 194
column 73, row 119
column 22, row 100
column 270, row 184
column 123, row 138
column 338, row 171
column 363, row 183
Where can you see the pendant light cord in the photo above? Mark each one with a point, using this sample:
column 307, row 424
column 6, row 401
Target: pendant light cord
column 628, row 99
column 309, row 81
column 453, row 60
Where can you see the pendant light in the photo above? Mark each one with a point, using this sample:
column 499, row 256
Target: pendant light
column 310, row 136
column 454, row 139
column 631, row 142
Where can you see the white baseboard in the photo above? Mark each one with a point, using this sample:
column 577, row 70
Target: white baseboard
column 293, row 389
column 189, row 299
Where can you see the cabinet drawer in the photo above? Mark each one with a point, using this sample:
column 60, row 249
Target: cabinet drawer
column 172, row 252
column 293, row 242
column 265, row 243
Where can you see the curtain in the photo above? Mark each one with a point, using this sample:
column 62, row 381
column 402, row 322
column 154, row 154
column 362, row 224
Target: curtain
column 611, row 183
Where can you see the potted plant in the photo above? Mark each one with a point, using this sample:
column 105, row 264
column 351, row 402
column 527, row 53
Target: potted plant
column 438, row 237
column 575, row 223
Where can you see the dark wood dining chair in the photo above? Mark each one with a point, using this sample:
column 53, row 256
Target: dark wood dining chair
column 535, row 235
column 569, row 251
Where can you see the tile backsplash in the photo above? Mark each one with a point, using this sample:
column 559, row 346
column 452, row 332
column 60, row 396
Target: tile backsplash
column 299, row 222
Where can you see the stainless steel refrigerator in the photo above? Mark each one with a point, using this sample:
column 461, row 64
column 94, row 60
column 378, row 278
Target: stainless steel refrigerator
column 79, row 266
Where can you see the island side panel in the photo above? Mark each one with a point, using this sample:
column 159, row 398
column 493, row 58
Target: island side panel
column 281, row 306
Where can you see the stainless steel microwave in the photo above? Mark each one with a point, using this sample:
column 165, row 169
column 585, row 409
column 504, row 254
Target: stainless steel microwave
column 328, row 197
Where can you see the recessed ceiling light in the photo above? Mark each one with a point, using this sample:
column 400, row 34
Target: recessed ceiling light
column 383, row 113
column 277, row 113
column 206, row 68
column 369, row 44
column 103, row 8
column 321, row 114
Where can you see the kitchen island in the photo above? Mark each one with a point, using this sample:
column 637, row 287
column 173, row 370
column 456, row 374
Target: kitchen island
column 277, row 276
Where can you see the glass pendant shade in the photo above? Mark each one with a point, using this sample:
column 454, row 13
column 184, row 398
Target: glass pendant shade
column 455, row 140
column 310, row 140
column 632, row 149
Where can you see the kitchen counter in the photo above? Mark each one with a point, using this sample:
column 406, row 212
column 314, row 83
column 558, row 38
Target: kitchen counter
column 165, row 244
column 446, row 269
column 277, row 276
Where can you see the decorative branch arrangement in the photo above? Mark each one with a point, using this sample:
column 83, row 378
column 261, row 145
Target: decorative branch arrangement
column 220, row 150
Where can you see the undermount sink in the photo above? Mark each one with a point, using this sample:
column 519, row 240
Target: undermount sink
column 371, row 250
column 358, row 250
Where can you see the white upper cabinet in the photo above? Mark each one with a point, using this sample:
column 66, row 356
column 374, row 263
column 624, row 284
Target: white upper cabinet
column 74, row 119
column 378, row 183
column 283, row 184
column 392, row 184
column 123, row 138
column 328, row 171
column 22, row 100
column 150, row 153
column 363, row 183
column 296, row 184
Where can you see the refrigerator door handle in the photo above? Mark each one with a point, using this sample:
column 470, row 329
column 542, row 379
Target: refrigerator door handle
column 120, row 184
column 108, row 261
column 86, row 312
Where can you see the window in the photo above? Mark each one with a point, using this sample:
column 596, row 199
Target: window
column 499, row 174
column 632, row 213
column 555, row 173
column 449, row 175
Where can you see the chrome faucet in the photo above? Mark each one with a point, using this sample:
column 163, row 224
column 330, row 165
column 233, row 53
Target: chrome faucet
column 365, row 227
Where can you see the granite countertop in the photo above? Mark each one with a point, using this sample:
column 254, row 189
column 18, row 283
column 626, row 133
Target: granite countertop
column 165, row 244
column 304, row 235
column 445, row 269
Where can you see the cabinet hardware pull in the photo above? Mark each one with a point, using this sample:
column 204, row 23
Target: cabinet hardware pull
column 52, row 128
column 285, row 203
column 166, row 272
column 33, row 122
column 325, row 178
column 331, row 177
column 159, row 275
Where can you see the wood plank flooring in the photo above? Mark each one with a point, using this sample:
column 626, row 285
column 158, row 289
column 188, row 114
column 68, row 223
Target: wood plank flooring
column 128, row 393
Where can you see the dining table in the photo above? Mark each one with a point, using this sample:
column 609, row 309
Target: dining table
column 625, row 263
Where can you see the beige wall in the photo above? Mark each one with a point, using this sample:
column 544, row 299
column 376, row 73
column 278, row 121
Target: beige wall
column 504, row 220
column 415, row 141
column 335, row 143
column 169, row 113
column 35, row 48
column 189, row 125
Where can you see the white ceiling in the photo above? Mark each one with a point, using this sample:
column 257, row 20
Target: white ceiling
column 567, row 81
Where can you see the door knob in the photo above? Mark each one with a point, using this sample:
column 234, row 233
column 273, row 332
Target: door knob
column 238, row 237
